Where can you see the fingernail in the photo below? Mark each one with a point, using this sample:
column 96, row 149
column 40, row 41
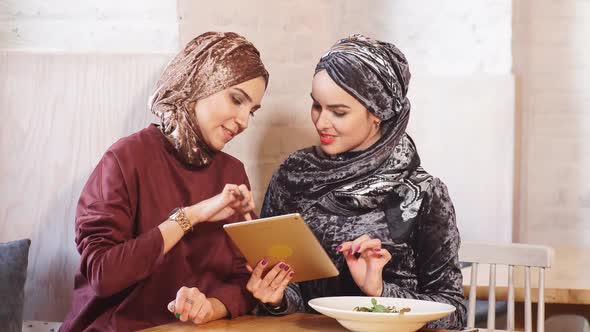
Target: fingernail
column 377, row 249
column 339, row 248
column 264, row 261
column 177, row 315
column 281, row 266
column 291, row 274
column 286, row 268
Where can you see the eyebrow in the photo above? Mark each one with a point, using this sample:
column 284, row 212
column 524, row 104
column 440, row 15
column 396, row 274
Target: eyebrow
column 248, row 97
column 331, row 105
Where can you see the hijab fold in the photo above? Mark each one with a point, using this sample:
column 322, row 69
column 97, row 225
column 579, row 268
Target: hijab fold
column 211, row 62
column 376, row 73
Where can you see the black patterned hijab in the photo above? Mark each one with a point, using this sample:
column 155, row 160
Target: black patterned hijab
column 209, row 63
column 376, row 73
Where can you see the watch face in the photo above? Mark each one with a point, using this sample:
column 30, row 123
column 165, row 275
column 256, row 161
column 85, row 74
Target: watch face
column 173, row 212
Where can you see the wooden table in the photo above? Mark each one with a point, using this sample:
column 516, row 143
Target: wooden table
column 288, row 323
column 566, row 282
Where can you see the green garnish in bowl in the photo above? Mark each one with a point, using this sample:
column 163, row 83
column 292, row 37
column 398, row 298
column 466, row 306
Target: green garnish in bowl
column 381, row 308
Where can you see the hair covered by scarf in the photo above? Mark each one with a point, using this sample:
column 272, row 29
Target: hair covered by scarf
column 211, row 62
column 377, row 74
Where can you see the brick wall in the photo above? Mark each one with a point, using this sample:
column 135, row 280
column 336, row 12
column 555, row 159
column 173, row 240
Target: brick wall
column 94, row 26
column 552, row 68
column 462, row 88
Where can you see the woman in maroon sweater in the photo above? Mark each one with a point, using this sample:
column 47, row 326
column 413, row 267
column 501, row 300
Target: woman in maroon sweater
column 149, row 220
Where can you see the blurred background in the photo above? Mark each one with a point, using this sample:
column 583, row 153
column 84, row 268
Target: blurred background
column 499, row 92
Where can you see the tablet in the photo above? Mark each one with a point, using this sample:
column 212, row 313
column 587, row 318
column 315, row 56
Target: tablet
column 283, row 238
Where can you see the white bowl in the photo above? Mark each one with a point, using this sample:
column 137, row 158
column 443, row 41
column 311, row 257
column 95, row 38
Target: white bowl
column 340, row 308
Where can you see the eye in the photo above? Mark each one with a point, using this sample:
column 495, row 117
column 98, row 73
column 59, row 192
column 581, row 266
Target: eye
column 340, row 114
column 251, row 113
column 236, row 100
column 316, row 106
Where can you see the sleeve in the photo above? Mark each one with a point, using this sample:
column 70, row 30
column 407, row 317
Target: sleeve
column 292, row 302
column 233, row 293
column 268, row 206
column 111, row 258
column 437, row 245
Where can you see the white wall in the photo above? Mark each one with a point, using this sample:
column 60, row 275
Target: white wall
column 97, row 26
column 461, row 90
column 552, row 66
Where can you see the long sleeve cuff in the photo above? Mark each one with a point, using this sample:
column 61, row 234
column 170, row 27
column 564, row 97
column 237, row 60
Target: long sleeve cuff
column 236, row 299
column 389, row 289
column 279, row 310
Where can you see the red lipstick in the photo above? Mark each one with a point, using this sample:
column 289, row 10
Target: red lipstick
column 326, row 139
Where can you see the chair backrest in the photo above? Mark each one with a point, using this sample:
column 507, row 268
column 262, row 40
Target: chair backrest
column 511, row 255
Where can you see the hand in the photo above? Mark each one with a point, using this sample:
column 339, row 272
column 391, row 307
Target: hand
column 191, row 305
column 271, row 288
column 232, row 199
column 367, row 270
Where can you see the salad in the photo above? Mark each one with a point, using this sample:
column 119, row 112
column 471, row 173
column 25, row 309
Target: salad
column 382, row 309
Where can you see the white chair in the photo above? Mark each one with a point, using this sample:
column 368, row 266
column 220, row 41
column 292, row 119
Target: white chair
column 40, row 326
column 570, row 323
column 510, row 254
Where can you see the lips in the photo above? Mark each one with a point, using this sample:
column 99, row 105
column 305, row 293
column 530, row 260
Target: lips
column 227, row 134
column 326, row 138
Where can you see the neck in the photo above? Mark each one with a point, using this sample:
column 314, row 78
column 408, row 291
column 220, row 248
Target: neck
column 372, row 139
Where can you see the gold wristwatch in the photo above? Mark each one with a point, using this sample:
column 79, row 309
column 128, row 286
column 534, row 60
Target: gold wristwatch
column 179, row 216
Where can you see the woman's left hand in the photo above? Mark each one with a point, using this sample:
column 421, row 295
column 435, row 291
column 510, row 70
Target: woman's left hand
column 367, row 269
column 191, row 305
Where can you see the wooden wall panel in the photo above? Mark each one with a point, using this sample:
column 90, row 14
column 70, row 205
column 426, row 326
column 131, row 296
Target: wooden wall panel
column 59, row 114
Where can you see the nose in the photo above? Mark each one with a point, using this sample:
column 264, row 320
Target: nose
column 242, row 119
column 322, row 121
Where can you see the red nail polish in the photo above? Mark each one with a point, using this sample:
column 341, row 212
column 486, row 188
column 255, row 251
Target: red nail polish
column 264, row 261
column 355, row 250
column 291, row 274
column 286, row 268
column 339, row 248
column 281, row 266
column 377, row 249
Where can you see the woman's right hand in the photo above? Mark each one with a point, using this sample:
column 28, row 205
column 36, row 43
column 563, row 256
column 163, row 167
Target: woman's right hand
column 271, row 288
column 232, row 199
column 192, row 305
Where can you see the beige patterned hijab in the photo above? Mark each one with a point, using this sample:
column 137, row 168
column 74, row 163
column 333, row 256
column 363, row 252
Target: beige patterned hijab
column 209, row 63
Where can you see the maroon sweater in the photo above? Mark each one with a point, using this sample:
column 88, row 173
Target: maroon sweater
column 125, row 282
